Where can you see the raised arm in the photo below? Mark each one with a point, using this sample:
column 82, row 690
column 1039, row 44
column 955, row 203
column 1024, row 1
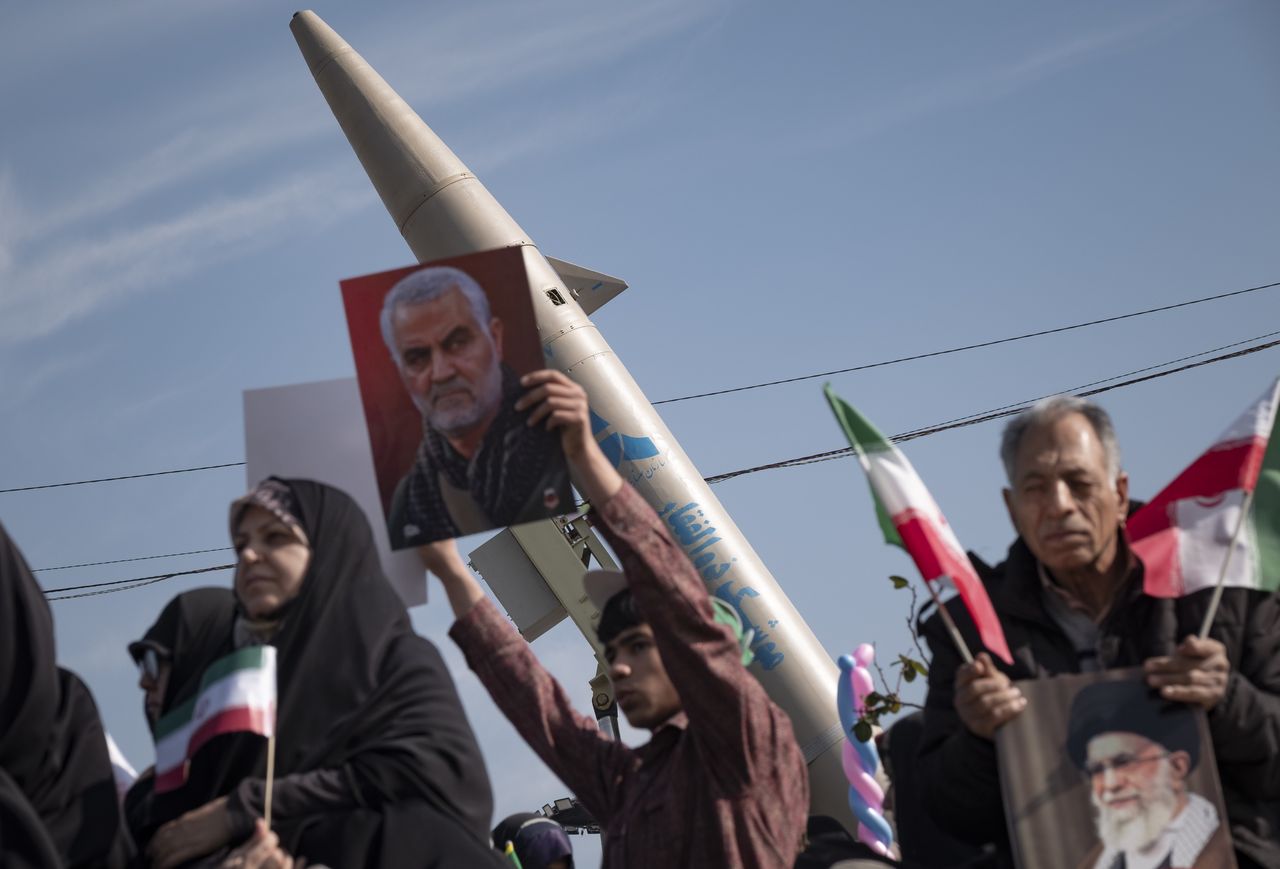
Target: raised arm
column 730, row 714
column 570, row 743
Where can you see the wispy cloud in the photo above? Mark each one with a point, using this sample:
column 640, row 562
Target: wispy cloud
column 188, row 154
column 58, row 266
column 241, row 122
column 61, row 284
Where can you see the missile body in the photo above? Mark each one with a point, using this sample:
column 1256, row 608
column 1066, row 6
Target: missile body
column 443, row 210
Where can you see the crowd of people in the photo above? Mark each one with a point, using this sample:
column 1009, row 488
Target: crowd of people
column 378, row 765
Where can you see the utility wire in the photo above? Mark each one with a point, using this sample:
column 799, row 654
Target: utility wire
column 865, row 367
column 977, row 346
column 987, row 416
column 127, row 560
column 958, row 422
column 123, row 477
column 1079, row 390
column 125, row 584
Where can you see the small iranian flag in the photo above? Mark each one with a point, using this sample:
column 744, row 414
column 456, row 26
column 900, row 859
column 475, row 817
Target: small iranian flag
column 237, row 693
column 910, row 518
column 1184, row 533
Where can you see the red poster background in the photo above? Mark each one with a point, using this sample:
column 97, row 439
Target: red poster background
column 395, row 427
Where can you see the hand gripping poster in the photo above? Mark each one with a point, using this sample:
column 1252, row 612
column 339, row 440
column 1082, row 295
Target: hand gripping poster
column 1098, row 772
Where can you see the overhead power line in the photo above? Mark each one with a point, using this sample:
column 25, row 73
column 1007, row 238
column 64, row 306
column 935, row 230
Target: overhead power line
column 1081, row 389
column 864, row 367
column 1084, row 390
column 122, row 477
column 127, row 560
column 997, row 413
column 934, row 353
column 125, row 584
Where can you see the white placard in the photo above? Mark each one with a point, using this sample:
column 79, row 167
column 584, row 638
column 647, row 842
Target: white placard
column 316, row 431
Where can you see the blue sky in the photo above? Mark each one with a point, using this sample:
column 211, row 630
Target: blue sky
column 787, row 189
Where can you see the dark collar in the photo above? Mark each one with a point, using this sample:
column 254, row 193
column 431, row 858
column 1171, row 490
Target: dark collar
column 1016, row 591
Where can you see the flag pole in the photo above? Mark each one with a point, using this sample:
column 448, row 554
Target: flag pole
column 951, row 625
column 1226, row 564
column 961, row 646
column 271, row 773
column 1245, row 507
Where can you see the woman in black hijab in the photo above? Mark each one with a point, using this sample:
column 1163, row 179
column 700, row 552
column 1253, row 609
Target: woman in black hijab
column 376, row 764
column 58, row 804
column 193, row 629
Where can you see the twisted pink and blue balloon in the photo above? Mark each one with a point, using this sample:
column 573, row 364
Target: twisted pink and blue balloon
column 861, row 760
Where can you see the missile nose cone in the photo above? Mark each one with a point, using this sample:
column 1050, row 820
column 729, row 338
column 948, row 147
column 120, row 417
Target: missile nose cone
column 439, row 207
column 317, row 40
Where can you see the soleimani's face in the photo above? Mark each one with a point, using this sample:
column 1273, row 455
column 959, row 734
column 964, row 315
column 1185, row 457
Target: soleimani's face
column 644, row 691
column 272, row 562
column 449, row 362
column 1062, row 499
column 1137, row 787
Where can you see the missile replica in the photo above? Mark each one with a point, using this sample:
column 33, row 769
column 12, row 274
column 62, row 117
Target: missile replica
column 443, row 210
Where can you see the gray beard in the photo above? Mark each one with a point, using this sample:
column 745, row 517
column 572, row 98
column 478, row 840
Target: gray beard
column 1136, row 832
column 488, row 395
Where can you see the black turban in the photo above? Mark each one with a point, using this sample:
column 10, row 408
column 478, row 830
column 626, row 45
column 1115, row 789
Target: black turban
column 1129, row 706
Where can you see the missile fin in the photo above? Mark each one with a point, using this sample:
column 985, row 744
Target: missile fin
column 590, row 288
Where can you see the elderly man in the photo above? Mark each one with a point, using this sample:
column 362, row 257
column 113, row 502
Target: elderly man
column 1070, row 598
column 1136, row 753
column 479, row 465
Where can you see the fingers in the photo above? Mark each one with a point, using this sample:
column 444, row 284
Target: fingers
column 1196, row 673
column 985, row 697
column 1196, row 647
column 546, row 375
column 555, row 400
column 563, row 390
column 1005, row 707
column 992, row 703
column 982, row 667
column 260, row 852
column 1197, row 676
column 985, row 717
column 559, row 410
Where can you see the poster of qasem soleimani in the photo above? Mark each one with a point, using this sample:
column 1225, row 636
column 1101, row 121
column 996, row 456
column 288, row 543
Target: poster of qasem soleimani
column 439, row 351
column 1098, row 772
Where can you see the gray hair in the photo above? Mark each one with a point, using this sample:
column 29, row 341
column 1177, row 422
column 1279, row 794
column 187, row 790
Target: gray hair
column 427, row 285
column 1049, row 410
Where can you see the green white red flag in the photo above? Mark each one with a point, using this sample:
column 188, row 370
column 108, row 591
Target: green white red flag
column 910, row 518
column 237, row 693
column 1183, row 534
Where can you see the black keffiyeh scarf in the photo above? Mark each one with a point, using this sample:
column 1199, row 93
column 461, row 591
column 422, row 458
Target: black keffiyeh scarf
column 513, row 458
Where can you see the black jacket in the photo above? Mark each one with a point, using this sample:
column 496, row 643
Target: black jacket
column 958, row 769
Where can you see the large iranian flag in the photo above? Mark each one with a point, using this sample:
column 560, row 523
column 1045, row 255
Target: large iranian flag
column 237, row 693
column 910, row 518
column 1183, row 534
